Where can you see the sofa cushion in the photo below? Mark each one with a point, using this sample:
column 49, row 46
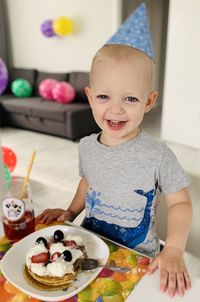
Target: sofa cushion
column 48, row 75
column 79, row 80
column 37, row 107
column 34, row 106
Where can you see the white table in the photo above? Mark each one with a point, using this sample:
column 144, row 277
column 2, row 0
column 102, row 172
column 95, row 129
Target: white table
column 148, row 290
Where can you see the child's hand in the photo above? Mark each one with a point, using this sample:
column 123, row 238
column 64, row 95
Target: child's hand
column 174, row 277
column 50, row 215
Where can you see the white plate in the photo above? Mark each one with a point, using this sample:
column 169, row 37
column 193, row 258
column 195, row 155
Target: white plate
column 13, row 262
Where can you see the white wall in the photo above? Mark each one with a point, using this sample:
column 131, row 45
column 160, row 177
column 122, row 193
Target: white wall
column 95, row 21
column 181, row 103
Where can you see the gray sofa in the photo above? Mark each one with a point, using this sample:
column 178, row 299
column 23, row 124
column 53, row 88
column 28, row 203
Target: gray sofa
column 73, row 120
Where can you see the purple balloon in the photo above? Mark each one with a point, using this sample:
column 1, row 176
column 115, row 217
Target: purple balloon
column 3, row 76
column 47, row 28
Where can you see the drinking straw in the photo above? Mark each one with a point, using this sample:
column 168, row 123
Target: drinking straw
column 26, row 180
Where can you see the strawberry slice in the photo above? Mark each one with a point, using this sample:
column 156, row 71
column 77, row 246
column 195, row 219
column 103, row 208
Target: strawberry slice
column 40, row 258
column 55, row 256
column 70, row 243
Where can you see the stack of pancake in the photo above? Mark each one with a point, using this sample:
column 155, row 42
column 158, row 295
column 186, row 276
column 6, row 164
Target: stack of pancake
column 53, row 264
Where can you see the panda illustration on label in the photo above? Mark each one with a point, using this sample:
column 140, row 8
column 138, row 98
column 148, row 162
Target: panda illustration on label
column 13, row 208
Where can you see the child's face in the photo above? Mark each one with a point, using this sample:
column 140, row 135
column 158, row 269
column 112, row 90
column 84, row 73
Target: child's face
column 119, row 96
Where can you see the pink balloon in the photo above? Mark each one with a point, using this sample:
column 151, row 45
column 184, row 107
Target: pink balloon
column 63, row 92
column 46, row 87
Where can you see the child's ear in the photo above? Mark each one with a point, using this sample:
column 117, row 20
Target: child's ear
column 89, row 96
column 151, row 100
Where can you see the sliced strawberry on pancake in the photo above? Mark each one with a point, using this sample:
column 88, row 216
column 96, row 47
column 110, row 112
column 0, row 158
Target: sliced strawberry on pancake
column 40, row 258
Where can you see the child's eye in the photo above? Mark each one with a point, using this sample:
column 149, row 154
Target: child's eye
column 131, row 99
column 102, row 96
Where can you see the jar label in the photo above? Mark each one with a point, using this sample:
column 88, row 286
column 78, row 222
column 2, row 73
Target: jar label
column 13, row 208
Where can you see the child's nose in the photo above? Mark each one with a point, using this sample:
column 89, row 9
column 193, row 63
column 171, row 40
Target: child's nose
column 116, row 107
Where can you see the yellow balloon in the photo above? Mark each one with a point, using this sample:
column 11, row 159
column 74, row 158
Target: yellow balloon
column 63, row 26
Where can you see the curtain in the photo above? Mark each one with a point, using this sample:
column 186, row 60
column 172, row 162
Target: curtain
column 5, row 49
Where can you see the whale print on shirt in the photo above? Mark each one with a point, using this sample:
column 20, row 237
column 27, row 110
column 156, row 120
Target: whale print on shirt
column 129, row 236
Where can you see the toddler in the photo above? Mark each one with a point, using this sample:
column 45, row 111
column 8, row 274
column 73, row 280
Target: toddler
column 124, row 170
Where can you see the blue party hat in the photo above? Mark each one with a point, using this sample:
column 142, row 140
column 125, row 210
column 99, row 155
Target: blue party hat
column 135, row 32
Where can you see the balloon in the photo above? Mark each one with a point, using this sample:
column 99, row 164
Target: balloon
column 9, row 158
column 7, row 175
column 3, row 76
column 47, row 28
column 63, row 92
column 21, row 88
column 45, row 88
column 63, row 26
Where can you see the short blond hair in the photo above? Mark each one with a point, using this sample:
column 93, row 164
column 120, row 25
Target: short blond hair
column 119, row 53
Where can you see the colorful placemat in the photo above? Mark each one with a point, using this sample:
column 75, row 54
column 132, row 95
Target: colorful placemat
column 109, row 286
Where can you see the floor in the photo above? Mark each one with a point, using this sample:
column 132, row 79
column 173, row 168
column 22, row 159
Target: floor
column 54, row 175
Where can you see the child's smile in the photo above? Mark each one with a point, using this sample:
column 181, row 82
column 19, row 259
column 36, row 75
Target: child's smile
column 115, row 124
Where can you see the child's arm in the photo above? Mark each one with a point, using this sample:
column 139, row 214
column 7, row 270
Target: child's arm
column 174, row 276
column 75, row 208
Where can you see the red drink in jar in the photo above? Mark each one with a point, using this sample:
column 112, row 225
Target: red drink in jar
column 16, row 230
column 17, row 212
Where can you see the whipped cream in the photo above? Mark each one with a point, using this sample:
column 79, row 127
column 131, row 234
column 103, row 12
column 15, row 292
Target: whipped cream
column 38, row 269
column 35, row 250
column 57, row 247
column 77, row 239
column 59, row 267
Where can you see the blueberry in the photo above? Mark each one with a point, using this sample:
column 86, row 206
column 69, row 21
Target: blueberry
column 41, row 240
column 67, row 255
column 58, row 235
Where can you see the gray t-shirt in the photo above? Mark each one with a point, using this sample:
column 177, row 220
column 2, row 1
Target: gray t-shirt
column 124, row 183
